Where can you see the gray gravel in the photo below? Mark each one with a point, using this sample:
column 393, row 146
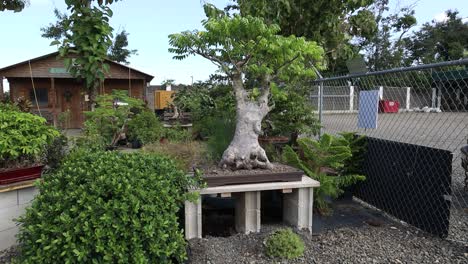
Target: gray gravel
column 7, row 254
column 390, row 243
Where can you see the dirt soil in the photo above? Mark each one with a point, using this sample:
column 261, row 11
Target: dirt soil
column 277, row 168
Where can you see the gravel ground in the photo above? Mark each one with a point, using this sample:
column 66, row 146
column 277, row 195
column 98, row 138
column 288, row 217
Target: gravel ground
column 7, row 254
column 389, row 243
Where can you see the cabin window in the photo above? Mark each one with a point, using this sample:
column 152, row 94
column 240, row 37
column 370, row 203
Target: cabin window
column 42, row 97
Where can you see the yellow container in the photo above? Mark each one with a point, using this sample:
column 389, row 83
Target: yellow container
column 162, row 99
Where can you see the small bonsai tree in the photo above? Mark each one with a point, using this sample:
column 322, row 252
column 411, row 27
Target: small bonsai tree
column 284, row 243
column 246, row 47
column 109, row 121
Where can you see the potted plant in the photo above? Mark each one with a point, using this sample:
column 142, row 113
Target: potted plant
column 23, row 140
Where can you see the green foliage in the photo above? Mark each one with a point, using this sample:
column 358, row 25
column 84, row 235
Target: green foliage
column 284, row 243
column 177, row 134
column 118, row 51
column 23, row 137
column 56, row 151
column 13, row 5
column 386, row 48
column 107, row 207
column 439, row 41
column 221, row 134
column 85, row 47
column 331, row 23
column 110, row 119
column 209, row 104
column 145, row 127
column 358, row 146
column 64, row 119
column 246, row 44
column 319, row 159
column 292, row 115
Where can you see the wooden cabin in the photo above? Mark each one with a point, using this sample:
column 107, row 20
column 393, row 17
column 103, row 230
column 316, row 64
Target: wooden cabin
column 57, row 91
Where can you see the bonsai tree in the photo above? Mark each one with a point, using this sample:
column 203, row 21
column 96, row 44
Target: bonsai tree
column 248, row 51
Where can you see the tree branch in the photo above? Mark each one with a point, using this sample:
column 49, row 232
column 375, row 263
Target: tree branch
column 285, row 64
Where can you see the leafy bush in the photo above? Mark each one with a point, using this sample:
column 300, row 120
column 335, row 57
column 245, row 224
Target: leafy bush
column 145, row 127
column 108, row 122
column 207, row 103
column 56, row 151
column 23, row 137
column 107, row 207
column 358, row 146
column 324, row 161
column 292, row 116
column 284, row 243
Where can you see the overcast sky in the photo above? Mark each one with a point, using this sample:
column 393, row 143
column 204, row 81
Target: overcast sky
column 149, row 22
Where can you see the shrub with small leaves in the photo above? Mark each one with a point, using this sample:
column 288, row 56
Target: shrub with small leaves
column 284, row 243
column 107, row 207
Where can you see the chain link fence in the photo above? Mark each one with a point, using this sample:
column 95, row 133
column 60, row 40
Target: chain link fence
column 426, row 123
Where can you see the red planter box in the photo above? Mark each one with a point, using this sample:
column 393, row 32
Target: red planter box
column 388, row 106
column 21, row 174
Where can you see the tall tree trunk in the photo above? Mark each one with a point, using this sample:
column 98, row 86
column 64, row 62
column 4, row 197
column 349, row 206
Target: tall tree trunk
column 244, row 151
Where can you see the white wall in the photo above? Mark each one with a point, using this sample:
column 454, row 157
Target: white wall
column 12, row 205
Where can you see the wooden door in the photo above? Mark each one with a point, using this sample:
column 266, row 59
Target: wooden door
column 71, row 99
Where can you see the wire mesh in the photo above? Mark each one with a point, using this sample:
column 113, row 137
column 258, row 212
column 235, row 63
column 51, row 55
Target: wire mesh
column 432, row 111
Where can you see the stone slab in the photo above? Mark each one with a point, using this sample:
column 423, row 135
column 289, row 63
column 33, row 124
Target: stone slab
column 306, row 182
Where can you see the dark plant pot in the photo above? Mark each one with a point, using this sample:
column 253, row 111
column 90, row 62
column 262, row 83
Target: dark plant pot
column 21, row 174
column 136, row 144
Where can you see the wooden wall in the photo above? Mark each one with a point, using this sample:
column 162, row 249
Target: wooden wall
column 76, row 103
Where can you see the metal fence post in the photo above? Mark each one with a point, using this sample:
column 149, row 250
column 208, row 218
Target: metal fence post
column 408, row 98
column 351, row 98
column 320, row 104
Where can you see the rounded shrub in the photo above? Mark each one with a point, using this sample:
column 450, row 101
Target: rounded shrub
column 107, row 207
column 284, row 243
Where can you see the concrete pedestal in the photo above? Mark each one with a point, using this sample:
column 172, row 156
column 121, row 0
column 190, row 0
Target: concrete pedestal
column 193, row 219
column 297, row 205
column 248, row 212
column 298, row 208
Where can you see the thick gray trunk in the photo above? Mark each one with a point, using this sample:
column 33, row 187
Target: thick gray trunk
column 245, row 152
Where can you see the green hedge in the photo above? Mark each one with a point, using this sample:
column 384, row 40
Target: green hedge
column 107, row 207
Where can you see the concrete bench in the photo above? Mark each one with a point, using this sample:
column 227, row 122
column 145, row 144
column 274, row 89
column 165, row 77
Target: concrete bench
column 297, row 205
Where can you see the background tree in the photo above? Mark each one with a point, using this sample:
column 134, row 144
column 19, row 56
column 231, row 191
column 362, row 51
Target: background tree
column 331, row 23
column 13, row 5
column 439, row 41
column 386, row 48
column 88, row 38
column 244, row 46
column 118, row 51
